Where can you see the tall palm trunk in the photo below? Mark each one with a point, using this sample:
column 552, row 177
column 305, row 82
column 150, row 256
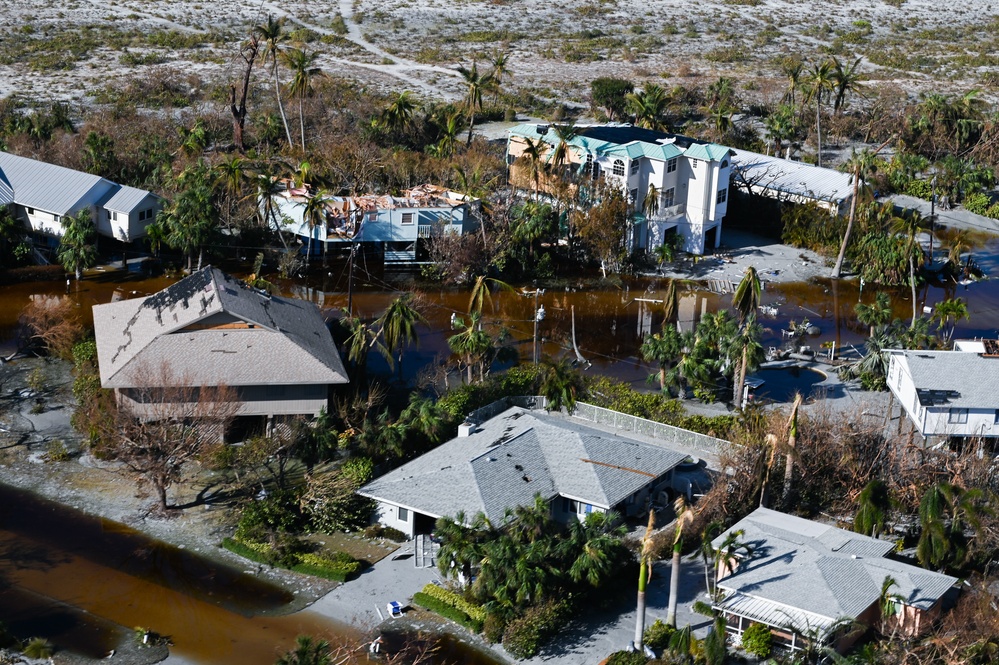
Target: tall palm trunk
column 838, row 268
column 471, row 123
column 301, row 121
column 792, row 445
column 674, row 584
column 912, row 284
column 277, row 94
column 818, row 130
column 640, row 618
column 740, row 379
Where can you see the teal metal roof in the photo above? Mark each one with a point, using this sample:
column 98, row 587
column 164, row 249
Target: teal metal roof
column 710, row 152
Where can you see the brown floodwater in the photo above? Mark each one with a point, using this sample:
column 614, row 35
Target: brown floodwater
column 611, row 320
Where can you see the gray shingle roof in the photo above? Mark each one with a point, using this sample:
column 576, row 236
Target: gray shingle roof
column 48, row 187
column 209, row 329
column 823, row 570
column 969, row 379
column 126, row 199
column 517, row 455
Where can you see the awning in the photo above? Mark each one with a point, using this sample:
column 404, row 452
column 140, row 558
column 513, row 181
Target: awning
column 776, row 615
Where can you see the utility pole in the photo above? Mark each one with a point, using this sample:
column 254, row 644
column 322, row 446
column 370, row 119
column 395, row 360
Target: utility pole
column 539, row 315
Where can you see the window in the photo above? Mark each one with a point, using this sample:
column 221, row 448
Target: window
column 634, row 199
column 30, row 211
column 373, row 216
column 671, row 165
column 55, row 217
column 408, row 217
column 588, row 166
column 693, row 163
column 618, row 167
column 634, row 166
column 996, row 421
column 570, row 506
column 722, row 196
column 668, row 196
column 724, row 163
column 596, row 171
column 112, row 215
column 957, row 416
column 589, row 509
column 403, row 514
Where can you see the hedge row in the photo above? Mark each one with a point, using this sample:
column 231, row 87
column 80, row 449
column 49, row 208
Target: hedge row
column 455, row 600
column 447, row 611
column 337, row 567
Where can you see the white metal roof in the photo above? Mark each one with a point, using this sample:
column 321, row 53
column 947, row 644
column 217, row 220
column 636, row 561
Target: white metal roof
column 766, row 172
column 126, row 199
column 776, row 615
column 48, row 187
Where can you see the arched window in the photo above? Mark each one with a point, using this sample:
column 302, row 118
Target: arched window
column 618, row 167
column 724, row 163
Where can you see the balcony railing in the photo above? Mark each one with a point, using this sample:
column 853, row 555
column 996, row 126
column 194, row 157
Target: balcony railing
column 670, row 213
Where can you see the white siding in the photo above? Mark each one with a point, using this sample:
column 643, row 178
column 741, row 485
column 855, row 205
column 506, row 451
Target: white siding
column 387, row 514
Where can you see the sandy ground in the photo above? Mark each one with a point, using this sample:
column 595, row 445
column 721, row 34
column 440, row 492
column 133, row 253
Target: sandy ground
column 555, row 48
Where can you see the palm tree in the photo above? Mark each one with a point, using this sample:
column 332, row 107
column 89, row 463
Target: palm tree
column 877, row 314
column 190, row 220
column 448, row 142
column 561, row 384
column 481, row 294
column 947, row 314
column 715, row 645
column 461, row 548
column 844, row 81
column 564, row 134
column 473, row 97
column 302, row 65
column 649, row 106
column 819, row 81
column 792, row 68
column 314, row 214
column 745, row 300
column 231, row 175
column 650, row 204
column 272, row 35
column 269, row 187
column 863, row 164
column 397, row 326
column 399, row 112
column 792, row 446
column 307, row 651
column 38, row 648
column 663, row 349
column 534, row 152
column 473, row 346
column 909, row 224
column 644, row 575
column 78, row 246
column 873, row 505
column 744, row 351
column 945, row 514
column 684, row 516
column 781, row 126
column 730, row 551
column 599, row 548
column 500, row 70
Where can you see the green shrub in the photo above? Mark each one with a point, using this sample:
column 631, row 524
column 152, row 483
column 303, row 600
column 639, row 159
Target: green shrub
column 977, row 203
column 338, row 566
column 244, row 550
column 757, row 640
column 455, row 600
column 525, row 635
column 993, row 211
column 921, row 189
column 657, row 636
column 493, row 628
column 379, row 531
column 446, row 611
column 277, row 512
column 627, row 658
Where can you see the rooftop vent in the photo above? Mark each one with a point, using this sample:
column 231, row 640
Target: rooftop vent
column 465, row 429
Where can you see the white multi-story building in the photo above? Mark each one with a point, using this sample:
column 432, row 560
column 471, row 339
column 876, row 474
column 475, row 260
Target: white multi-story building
column 949, row 393
column 690, row 177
